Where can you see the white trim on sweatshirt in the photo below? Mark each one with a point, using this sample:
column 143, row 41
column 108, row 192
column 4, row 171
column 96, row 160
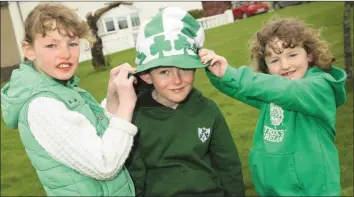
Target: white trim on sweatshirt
column 71, row 139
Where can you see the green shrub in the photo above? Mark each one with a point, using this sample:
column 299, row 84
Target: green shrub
column 196, row 13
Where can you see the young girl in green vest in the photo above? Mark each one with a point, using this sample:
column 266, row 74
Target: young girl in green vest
column 184, row 146
column 297, row 93
column 74, row 147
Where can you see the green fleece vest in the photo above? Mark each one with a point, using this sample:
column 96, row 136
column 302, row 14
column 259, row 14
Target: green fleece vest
column 56, row 178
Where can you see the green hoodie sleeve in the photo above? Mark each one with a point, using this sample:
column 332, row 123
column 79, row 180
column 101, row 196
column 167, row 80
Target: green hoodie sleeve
column 137, row 169
column 220, row 85
column 310, row 95
column 224, row 157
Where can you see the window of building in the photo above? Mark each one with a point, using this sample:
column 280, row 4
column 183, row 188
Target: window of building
column 135, row 20
column 109, row 25
column 122, row 22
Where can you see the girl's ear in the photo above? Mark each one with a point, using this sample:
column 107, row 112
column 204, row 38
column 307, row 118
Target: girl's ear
column 309, row 57
column 28, row 51
column 146, row 77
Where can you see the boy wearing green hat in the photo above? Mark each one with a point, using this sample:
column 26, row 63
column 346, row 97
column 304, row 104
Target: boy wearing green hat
column 184, row 146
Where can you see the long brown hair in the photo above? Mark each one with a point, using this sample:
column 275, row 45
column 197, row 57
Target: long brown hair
column 40, row 20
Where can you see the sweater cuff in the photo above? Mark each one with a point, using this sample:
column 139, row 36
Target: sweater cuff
column 108, row 114
column 124, row 125
column 229, row 72
column 227, row 76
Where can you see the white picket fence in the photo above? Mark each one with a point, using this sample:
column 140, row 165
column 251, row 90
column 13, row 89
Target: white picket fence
column 216, row 20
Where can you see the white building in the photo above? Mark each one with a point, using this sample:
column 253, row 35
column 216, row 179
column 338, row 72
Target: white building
column 117, row 27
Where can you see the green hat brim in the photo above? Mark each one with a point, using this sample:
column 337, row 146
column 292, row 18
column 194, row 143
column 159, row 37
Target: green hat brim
column 179, row 61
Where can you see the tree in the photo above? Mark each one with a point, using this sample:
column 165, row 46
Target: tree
column 348, row 53
column 197, row 13
column 98, row 60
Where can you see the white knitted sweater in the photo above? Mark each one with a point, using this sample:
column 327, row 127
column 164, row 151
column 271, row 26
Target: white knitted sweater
column 70, row 138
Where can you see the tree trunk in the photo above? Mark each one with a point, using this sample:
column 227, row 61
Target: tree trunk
column 98, row 60
column 348, row 53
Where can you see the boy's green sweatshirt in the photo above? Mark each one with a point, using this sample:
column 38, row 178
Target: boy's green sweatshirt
column 293, row 149
column 184, row 151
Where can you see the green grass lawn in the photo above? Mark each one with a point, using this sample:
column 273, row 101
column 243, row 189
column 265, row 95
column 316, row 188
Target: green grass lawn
column 18, row 177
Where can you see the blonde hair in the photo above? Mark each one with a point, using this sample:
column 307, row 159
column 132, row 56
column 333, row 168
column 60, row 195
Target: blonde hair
column 68, row 23
column 292, row 32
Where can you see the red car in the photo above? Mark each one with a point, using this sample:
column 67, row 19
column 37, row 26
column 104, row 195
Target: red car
column 244, row 9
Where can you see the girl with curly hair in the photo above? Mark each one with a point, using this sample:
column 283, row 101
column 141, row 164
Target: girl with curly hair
column 297, row 93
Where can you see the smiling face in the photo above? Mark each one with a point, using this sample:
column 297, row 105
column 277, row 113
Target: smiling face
column 172, row 85
column 55, row 54
column 291, row 63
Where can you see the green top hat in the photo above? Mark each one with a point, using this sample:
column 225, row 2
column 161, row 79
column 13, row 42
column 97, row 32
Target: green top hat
column 171, row 38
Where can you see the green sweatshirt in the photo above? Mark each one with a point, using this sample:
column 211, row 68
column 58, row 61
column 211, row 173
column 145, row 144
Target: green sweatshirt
column 184, row 151
column 293, row 149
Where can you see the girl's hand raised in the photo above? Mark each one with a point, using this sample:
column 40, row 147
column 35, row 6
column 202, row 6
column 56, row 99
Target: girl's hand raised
column 218, row 64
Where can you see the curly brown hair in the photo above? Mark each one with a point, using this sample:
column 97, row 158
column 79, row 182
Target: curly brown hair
column 293, row 33
column 40, row 20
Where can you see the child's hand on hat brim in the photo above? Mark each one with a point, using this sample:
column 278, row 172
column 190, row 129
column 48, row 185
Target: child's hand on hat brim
column 218, row 64
column 112, row 94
